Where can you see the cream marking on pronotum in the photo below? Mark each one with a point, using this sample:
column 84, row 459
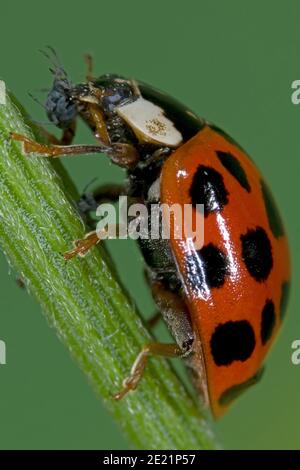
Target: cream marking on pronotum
column 2, row 92
column 149, row 122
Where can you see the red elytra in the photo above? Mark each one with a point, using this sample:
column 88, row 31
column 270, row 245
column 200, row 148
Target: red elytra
column 238, row 312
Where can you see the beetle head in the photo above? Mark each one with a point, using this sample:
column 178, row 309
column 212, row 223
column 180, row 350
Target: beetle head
column 60, row 107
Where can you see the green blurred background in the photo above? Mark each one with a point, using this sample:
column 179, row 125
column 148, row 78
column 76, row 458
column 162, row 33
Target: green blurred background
column 233, row 63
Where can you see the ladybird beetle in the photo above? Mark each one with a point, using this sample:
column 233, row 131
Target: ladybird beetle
column 223, row 303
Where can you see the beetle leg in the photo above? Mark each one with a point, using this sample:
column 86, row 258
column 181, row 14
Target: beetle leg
column 50, row 150
column 153, row 320
column 98, row 120
column 20, row 282
column 175, row 313
column 174, row 310
column 66, row 138
column 151, row 349
column 124, row 155
column 83, row 245
column 89, row 67
column 177, row 317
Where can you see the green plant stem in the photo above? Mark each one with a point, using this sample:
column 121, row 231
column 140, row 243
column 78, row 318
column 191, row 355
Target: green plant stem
column 83, row 302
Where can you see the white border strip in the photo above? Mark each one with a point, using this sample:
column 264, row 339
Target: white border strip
column 2, row 92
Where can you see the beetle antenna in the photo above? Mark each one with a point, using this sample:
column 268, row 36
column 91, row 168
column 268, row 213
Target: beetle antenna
column 42, row 123
column 55, row 55
column 42, row 90
column 52, row 57
column 89, row 184
column 36, row 100
column 55, row 61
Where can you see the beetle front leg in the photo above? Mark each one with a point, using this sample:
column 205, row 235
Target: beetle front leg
column 89, row 67
column 123, row 155
column 67, row 137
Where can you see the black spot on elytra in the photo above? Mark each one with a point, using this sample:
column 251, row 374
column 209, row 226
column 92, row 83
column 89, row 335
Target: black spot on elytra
column 234, row 392
column 215, row 265
column 208, row 189
column 268, row 320
column 232, row 341
column 274, row 218
column 285, row 291
column 257, row 253
column 232, row 164
column 207, row 267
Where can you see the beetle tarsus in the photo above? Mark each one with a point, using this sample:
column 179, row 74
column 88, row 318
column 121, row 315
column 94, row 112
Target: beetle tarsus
column 137, row 370
column 82, row 246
